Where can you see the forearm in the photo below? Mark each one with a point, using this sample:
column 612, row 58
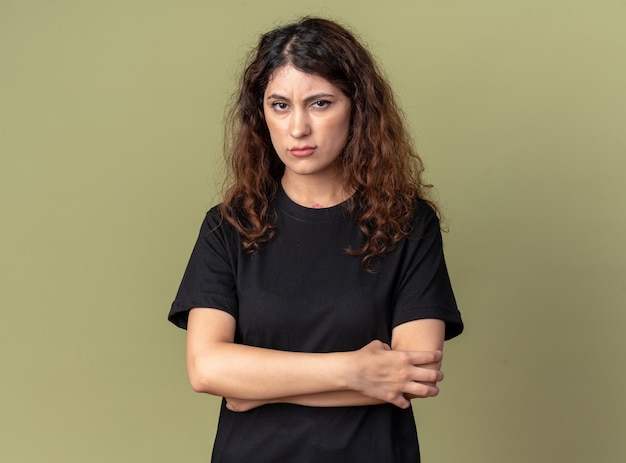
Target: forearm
column 421, row 335
column 323, row 399
column 252, row 373
column 217, row 365
column 334, row 399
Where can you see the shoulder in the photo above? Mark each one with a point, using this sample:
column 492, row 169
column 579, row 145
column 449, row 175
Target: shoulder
column 214, row 217
column 216, row 225
column 425, row 219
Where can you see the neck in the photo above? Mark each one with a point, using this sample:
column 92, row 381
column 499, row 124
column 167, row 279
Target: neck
column 315, row 194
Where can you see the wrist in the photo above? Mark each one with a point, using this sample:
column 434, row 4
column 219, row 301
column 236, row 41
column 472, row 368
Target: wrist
column 345, row 370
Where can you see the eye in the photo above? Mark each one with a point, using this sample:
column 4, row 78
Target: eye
column 279, row 106
column 320, row 104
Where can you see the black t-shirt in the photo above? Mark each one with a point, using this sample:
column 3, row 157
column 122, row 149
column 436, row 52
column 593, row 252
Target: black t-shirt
column 302, row 292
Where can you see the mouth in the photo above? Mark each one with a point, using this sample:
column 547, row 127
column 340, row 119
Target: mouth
column 302, row 151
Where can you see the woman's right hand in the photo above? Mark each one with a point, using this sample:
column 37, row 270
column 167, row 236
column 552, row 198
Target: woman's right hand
column 394, row 375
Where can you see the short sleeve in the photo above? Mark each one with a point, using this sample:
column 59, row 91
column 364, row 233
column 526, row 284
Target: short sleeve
column 209, row 279
column 424, row 289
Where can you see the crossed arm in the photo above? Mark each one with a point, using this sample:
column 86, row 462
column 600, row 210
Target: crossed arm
column 251, row 376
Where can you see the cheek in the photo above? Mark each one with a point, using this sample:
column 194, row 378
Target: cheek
column 275, row 137
column 342, row 130
column 272, row 129
column 274, row 126
column 344, row 121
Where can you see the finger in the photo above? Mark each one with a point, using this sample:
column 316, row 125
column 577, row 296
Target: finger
column 437, row 356
column 401, row 402
column 426, row 357
column 426, row 375
column 421, row 390
column 429, row 393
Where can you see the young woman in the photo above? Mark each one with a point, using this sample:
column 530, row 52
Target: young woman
column 316, row 299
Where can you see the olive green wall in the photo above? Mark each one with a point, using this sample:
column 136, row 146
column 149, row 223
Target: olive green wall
column 110, row 126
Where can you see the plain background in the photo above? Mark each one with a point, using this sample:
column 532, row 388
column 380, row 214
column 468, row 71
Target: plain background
column 111, row 120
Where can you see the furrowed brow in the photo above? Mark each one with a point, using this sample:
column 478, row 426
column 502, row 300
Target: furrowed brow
column 276, row 96
column 317, row 96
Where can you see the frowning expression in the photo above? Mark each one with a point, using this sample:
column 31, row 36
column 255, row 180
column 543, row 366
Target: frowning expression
column 309, row 122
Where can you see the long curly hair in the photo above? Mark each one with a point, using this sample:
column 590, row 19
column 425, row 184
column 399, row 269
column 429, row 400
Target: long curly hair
column 379, row 162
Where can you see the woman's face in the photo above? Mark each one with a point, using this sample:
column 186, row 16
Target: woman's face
column 309, row 121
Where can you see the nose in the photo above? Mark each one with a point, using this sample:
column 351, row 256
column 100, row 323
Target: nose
column 299, row 124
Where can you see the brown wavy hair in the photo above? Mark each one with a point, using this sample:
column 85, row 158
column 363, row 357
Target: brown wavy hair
column 379, row 162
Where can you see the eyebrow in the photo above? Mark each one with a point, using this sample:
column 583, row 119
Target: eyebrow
column 317, row 96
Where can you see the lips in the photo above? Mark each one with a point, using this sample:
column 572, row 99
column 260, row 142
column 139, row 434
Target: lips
column 302, row 151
